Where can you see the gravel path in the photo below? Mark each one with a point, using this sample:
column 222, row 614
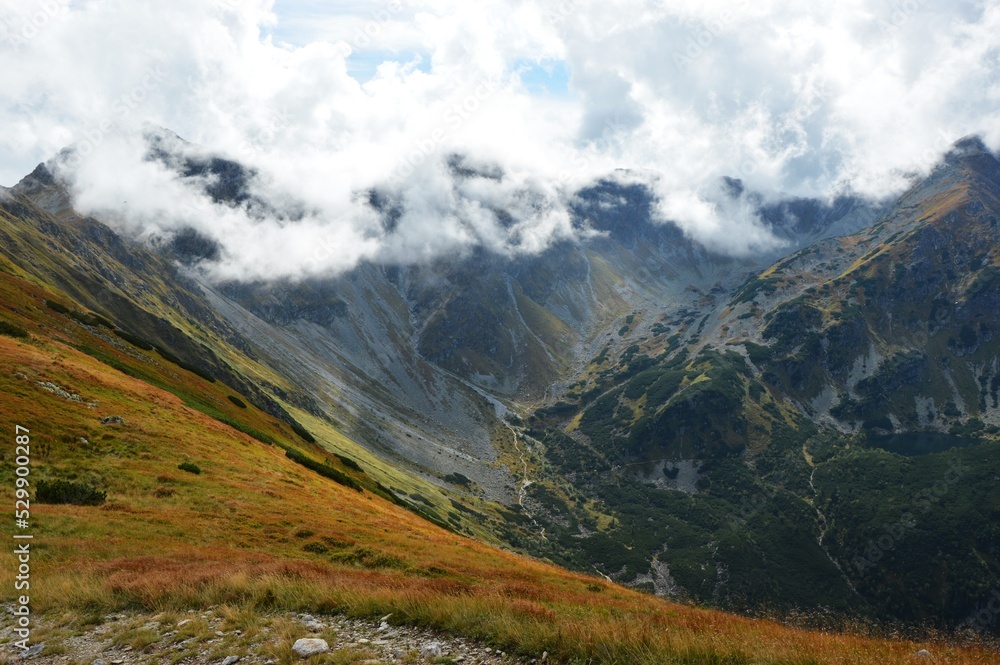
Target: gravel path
column 212, row 636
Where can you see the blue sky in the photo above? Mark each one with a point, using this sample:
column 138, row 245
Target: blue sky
column 300, row 22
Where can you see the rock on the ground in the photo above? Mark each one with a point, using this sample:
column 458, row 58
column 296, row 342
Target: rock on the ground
column 31, row 652
column 231, row 660
column 923, row 653
column 307, row 646
column 431, row 650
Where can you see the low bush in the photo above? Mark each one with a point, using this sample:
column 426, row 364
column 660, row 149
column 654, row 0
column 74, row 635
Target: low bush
column 66, row 492
column 10, row 330
column 322, row 469
column 237, row 401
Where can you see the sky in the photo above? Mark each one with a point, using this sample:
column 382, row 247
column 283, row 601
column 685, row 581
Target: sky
column 329, row 100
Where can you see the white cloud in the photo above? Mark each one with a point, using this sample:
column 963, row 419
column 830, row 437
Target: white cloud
column 808, row 99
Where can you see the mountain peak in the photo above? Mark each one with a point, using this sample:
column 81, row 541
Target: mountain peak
column 969, row 145
column 45, row 190
column 40, row 177
column 971, row 152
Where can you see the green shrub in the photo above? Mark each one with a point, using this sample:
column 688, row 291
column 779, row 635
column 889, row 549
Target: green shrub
column 237, row 401
column 11, row 330
column 65, row 492
column 134, row 340
column 457, row 478
column 57, row 307
column 369, row 558
column 337, row 543
column 322, row 469
column 190, row 468
column 166, row 355
column 92, row 320
column 349, row 463
column 302, row 432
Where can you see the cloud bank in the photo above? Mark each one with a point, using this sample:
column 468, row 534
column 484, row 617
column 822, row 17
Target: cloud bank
column 431, row 104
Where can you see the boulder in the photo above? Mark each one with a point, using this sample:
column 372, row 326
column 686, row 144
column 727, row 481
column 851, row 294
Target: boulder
column 310, row 647
column 431, row 650
column 31, row 652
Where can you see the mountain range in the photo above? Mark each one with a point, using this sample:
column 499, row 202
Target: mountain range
column 812, row 429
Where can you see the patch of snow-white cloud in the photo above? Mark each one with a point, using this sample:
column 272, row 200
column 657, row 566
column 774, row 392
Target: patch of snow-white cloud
column 328, row 102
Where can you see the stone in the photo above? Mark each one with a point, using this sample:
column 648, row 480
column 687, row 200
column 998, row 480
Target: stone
column 181, row 624
column 112, row 420
column 231, row 660
column 923, row 653
column 313, row 625
column 31, row 652
column 307, row 646
column 431, row 650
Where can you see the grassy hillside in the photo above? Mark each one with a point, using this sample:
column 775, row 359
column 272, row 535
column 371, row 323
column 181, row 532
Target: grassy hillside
column 259, row 530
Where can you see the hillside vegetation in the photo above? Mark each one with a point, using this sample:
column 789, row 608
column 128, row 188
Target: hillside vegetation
column 256, row 528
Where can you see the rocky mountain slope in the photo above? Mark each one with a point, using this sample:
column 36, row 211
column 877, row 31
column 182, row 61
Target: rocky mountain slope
column 749, row 462
column 173, row 520
column 632, row 404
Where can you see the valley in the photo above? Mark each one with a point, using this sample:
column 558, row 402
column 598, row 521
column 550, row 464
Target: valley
column 809, row 436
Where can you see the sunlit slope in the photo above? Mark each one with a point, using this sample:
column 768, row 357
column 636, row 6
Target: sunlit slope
column 128, row 306
column 255, row 527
